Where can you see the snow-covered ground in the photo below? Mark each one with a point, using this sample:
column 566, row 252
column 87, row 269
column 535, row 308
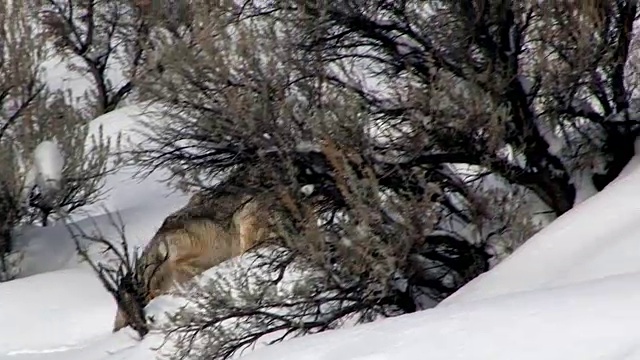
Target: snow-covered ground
column 571, row 292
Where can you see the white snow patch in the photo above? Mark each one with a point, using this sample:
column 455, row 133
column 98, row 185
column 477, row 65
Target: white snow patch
column 548, row 133
column 125, row 191
column 45, row 170
column 44, row 351
column 51, row 310
column 307, row 189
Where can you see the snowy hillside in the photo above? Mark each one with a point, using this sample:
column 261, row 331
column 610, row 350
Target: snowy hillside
column 570, row 293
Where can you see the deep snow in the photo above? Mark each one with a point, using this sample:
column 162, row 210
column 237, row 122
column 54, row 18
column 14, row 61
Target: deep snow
column 571, row 292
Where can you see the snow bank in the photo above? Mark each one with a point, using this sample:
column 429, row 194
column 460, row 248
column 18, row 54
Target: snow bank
column 597, row 320
column 598, row 238
column 125, row 192
column 52, row 248
column 52, row 310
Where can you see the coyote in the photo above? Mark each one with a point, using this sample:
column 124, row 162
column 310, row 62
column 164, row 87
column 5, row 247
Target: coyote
column 204, row 233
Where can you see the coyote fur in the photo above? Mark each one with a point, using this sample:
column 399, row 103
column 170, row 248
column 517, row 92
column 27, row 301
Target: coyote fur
column 204, row 233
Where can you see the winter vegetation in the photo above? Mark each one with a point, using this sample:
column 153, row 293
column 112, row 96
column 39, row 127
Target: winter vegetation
column 47, row 168
column 225, row 176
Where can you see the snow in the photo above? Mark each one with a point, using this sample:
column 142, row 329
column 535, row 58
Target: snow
column 51, row 248
column 595, row 240
column 307, row 189
column 57, row 75
column 81, row 315
column 45, row 170
column 126, row 190
column 593, row 321
column 570, row 292
column 548, row 133
column 48, row 161
column 583, row 182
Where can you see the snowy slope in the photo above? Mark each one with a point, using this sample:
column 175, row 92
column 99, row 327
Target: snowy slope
column 569, row 293
column 599, row 320
column 126, row 192
column 598, row 238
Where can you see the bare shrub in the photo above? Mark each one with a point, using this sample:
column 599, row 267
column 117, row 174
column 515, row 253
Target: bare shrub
column 31, row 113
column 370, row 252
column 86, row 157
column 103, row 40
column 352, row 262
column 118, row 272
column 326, row 266
column 355, row 114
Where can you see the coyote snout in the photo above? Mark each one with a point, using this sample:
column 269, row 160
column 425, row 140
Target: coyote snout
column 193, row 239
